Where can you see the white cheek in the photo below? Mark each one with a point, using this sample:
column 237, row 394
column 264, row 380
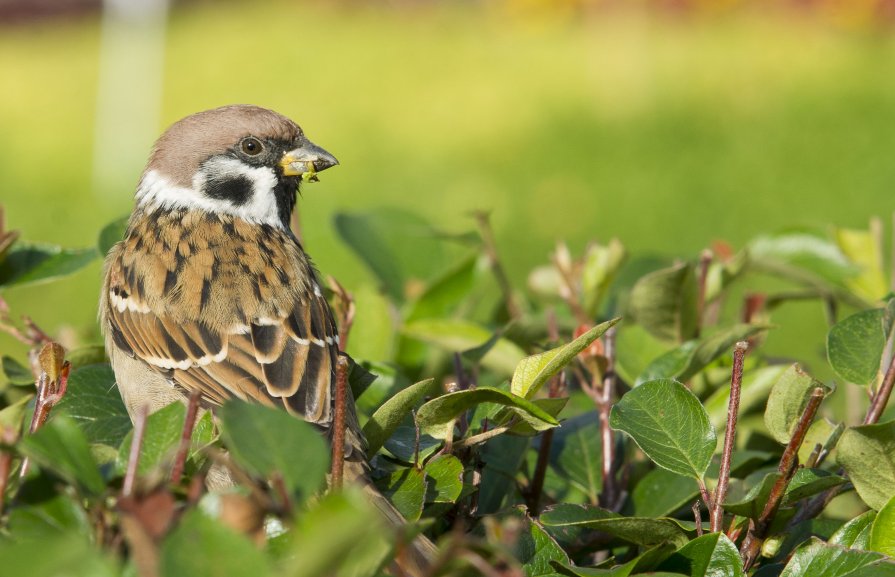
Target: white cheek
column 156, row 190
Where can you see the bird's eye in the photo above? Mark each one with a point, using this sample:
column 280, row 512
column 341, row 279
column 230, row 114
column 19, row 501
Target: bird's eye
column 252, row 146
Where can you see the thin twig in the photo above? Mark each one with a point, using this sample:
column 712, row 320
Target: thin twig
column 537, row 480
column 482, row 437
column 716, row 516
column 186, row 437
column 787, row 468
column 705, row 261
column 697, row 517
column 133, row 459
column 881, row 398
column 484, row 222
column 338, row 448
column 609, row 494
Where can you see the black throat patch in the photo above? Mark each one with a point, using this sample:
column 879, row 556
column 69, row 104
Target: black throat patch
column 237, row 189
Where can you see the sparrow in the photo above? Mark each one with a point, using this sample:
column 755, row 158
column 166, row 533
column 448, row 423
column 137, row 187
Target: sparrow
column 210, row 292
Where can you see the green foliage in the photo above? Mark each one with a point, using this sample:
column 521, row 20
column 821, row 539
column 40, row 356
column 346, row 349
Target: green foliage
column 489, row 430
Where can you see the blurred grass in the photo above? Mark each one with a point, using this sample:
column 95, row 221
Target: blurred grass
column 666, row 133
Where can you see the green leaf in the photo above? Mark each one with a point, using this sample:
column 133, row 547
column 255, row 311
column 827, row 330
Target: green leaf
column 331, row 533
column 31, row 263
column 201, row 547
column 802, row 256
column 443, row 294
column 92, row 400
column 55, row 517
column 787, row 402
column 601, row 264
column 882, row 533
column 648, row 561
column 161, row 439
column 661, row 492
column 388, row 416
column 577, row 454
column 856, row 533
column 809, row 482
column 863, row 248
column 669, row 424
column 754, row 391
column 693, row 356
column 664, row 303
column 403, row 446
column 707, row 556
column 61, row 447
column 535, row 549
column 817, row 559
column 436, row 417
column 359, row 378
column 868, row 455
column 456, row 335
column 445, row 473
column 855, row 345
column 635, row 350
column 752, row 504
column 362, row 234
column 503, row 456
column 71, row 555
column 87, row 355
column 110, row 234
column 638, row 530
column 406, row 489
column 530, row 425
column 16, row 373
column 531, row 374
column 268, row 441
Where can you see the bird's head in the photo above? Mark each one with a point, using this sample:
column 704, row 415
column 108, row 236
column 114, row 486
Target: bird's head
column 239, row 160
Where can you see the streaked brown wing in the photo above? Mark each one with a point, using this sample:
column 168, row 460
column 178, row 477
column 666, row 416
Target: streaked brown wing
column 289, row 360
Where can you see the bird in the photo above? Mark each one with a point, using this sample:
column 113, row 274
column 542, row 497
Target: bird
column 211, row 293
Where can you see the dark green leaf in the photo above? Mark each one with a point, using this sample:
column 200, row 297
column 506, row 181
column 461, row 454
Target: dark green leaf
column 443, row 294
column 868, row 455
column 445, row 474
column 55, row 517
column 502, row 457
column 406, row 489
column 664, row 303
column 855, row 345
column 856, row 533
column 577, row 454
column 817, row 559
column 648, row 561
column 359, row 379
column 269, row 441
column 707, row 556
column 161, row 439
column 536, row 550
column 529, row 425
column 61, row 447
column 388, row 416
column 30, row 263
column 16, row 373
column 752, row 504
column 787, row 402
column 201, row 547
column 638, row 530
column 402, row 445
column 436, row 417
column 92, row 400
column 110, row 234
column 669, row 424
column 532, row 372
column 362, row 234
column 661, row 492
column 809, row 482
column 88, row 355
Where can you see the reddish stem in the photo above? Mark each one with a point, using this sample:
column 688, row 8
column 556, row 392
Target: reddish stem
column 133, row 459
column 705, row 261
column 338, row 447
column 881, row 398
column 733, row 410
column 609, row 493
column 186, row 437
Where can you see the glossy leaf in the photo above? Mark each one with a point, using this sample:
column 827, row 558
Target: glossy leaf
column 855, row 345
column 638, row 530
column 577, row 453
column 664, row 303
column 110, row 234
column 712, row 555
column 201, row 547
column 787, row 402
column 661, row 492
column 161, row 438
column 31, row 263
column 647, row 561
column 531, row 374
column 92, row 400
column 855, row 534
column 457, row 335
column 669, row 424
column 536, row 550
column 60, row 446
column 436, row 417
column 818, row 559
column 445, row 475
column 267, row 441
column 389, row 415
column 868, row 455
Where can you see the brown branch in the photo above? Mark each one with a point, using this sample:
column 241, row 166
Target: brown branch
column 537, row 480
column 704, row 492
column 881, row 398
column 482, row 437
column 758, row 531
column 697, row 518
column 133, row 459
column 716, row 515
column 186, row 437
column 338, row 447
column 484, row 221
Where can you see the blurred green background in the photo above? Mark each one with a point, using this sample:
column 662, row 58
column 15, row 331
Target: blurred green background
column 667, row 125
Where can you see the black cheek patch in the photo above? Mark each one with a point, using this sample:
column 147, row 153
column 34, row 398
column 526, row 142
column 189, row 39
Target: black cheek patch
column 236, row 189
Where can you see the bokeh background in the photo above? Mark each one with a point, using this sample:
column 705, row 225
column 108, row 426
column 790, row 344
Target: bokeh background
column 668, row 124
